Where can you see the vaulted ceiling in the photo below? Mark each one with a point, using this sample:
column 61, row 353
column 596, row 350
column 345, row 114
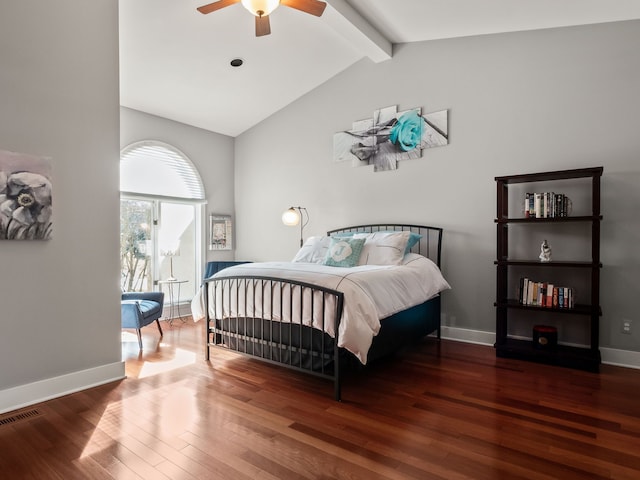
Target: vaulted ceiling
column 175, row 61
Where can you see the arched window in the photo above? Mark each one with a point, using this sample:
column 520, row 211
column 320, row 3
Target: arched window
column 161, row 203
column 155, row 168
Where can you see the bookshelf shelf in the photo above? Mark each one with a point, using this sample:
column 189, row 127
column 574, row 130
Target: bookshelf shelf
column 532, row 263
column 563, row 355
column 583, row 218
column 578, row 309
column 510, row 309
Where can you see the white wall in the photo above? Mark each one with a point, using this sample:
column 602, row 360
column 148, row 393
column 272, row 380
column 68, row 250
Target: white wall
column 211, row 154
column 518, row 102
column 60, row 318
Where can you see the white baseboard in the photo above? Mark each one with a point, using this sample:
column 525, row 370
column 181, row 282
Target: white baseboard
column 36, row 392
column 180, row 310
column 610, row 356
column 620, row 358
column 468, row 336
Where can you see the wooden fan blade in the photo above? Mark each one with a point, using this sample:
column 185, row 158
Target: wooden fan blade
column 263, row 26
column 212, row 7
column 314, row 7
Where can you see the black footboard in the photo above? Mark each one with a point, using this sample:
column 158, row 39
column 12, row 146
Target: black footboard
column 279, row 321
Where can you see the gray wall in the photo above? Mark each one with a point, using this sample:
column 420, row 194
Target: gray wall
column 59, row 98
column 211, row 153
column 518, row 102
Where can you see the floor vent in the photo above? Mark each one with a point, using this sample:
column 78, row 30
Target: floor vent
column 19, row 417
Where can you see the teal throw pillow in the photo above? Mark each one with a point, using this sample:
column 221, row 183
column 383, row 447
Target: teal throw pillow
column 413, row 239
column 344, row 252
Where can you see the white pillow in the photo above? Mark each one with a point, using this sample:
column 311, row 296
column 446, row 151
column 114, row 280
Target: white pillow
column 313, row 251
column 383, row 248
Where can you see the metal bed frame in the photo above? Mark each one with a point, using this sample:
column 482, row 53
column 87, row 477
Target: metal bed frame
column 258, row 333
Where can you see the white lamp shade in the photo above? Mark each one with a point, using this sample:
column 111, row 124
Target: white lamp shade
column 291, row 217
column 264, row 6
column 170, row 252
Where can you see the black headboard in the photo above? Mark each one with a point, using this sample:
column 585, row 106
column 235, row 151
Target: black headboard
column 430, row 245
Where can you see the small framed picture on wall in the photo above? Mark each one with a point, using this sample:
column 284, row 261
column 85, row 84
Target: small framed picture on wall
column 220, row 232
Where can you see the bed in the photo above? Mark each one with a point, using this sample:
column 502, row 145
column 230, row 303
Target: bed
column 348, row 298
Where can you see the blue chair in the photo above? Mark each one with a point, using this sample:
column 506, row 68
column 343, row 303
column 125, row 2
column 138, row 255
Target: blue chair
column 139, row 309
column 214, row 267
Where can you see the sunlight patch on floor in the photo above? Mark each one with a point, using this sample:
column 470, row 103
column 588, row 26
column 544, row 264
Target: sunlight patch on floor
column 178, row 412
column 106, row 432
column 182, row 358
column 128, row 337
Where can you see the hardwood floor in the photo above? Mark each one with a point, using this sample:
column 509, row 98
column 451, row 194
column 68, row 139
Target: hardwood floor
column 435, row 411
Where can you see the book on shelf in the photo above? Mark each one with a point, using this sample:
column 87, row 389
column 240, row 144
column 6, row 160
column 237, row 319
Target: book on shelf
column 549, row 300
column 544, row 294
column 538, row 205
column 545, row 205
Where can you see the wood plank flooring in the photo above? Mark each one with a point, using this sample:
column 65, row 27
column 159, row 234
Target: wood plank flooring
column 434, row 411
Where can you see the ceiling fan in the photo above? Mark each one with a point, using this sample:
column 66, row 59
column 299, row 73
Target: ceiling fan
column 262, row 8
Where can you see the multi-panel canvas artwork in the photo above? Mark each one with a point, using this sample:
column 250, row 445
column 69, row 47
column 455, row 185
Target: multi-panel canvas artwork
column 390, row 136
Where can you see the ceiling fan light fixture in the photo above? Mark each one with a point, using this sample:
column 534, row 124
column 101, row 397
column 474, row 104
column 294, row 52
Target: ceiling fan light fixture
column 260, row 8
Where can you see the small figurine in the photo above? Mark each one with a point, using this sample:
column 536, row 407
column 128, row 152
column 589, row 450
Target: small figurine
column 545, row 252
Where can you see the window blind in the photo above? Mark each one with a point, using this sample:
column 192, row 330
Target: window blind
column 154, row 168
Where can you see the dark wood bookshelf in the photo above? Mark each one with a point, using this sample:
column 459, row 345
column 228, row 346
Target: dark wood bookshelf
column 508, row 309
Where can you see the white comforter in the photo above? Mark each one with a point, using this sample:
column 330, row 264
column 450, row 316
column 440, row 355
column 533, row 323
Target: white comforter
column 371, row 293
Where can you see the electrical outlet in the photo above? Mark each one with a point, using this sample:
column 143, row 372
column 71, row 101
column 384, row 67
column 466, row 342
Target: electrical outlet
column 626, row 327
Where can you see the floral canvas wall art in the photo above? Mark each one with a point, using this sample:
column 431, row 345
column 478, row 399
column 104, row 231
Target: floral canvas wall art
column 390, row 136
column 25, row 197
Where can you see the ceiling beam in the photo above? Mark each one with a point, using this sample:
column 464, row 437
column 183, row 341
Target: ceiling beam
column 357, row 31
